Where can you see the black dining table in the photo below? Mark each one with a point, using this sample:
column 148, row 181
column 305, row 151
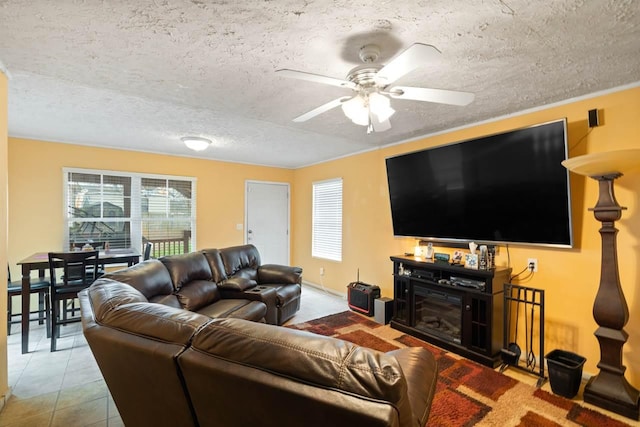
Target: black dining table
column 40, row 261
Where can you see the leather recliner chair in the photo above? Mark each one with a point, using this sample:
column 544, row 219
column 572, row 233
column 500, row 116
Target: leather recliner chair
column 242, row 276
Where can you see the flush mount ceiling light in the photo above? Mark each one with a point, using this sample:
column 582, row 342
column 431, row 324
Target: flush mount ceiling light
column 196, row 143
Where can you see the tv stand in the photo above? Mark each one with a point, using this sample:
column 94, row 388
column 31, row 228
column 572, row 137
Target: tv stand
column 455, row 308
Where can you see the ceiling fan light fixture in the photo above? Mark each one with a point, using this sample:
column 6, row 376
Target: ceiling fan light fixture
column 380, row 105
column 356, row 110
column 196, row 143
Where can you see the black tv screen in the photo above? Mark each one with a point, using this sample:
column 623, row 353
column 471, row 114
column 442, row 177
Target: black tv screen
column 503, row 188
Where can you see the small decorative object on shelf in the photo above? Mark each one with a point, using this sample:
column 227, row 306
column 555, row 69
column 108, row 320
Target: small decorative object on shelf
column 441, row 257
column 482, row 261
column 457, row 257
column 471, row 261
column 417, row 251
column 492, row 257
column 472, row 247
column 428, row 253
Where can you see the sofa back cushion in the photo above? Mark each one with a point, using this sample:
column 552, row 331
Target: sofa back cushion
column 197, row 294
column 241, row 261
column 120, row 306
column 185, row 268
column 214, row 259
column 322, row 379
column 151, row 278
column 312, row 358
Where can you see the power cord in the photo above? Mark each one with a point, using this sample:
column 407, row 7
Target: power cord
column 581, row 139
column 529, row 268
column 517, row 275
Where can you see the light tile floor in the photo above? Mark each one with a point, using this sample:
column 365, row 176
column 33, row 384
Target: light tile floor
column 65, row 388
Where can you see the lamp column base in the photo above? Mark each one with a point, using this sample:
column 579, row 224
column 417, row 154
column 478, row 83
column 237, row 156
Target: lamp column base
column 610, row 389
column 614, row 394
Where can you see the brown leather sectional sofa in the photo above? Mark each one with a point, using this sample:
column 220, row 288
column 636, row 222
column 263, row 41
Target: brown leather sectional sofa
column 228, row 282
column 218, row 365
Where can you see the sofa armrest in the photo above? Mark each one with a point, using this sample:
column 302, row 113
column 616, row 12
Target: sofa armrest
column 279, row 274
column 421, row 372
column 238, row 284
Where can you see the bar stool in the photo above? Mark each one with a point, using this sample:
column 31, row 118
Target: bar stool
column 39, row 286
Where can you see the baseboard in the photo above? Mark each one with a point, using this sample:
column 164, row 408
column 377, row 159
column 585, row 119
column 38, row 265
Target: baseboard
column 4, row 399
column 324, row 289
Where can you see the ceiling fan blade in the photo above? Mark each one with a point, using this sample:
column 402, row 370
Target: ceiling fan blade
column 316, row 78
column 415, row 56
column 321, row 109
column 440, row 96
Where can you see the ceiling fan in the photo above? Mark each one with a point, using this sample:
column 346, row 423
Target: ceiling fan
column 372, row 86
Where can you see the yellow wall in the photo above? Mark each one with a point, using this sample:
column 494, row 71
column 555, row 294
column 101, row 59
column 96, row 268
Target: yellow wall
column 35, row 191
column 4, row 377
column 570, row 277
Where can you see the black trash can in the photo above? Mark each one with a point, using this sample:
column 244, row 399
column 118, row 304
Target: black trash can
column 565, row 372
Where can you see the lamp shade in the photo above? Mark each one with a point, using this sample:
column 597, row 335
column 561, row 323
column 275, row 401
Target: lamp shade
column 356, row 110
column 380, row 105
column 605, row 163
column 196, row 143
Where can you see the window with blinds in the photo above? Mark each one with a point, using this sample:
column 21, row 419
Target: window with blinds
column 128, row 210
column 326, row 240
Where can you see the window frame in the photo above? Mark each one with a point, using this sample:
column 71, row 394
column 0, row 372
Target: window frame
column 136, row 219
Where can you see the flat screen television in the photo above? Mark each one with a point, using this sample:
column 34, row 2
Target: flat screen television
column 498, row 189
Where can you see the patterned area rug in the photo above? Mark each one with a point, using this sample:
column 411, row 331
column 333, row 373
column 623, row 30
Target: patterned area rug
column 467, row 394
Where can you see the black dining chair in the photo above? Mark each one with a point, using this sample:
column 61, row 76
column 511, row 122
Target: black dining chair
column 39, row 286
column 147, row 251
column 78, row 272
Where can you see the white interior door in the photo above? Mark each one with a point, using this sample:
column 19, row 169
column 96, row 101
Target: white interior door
column 267, row 220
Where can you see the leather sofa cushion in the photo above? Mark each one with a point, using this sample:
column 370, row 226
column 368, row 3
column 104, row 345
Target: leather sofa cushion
column 149, row 277
column 236, row 308
column 215, row 263
column 280, row 274
column 241, row 260
column 170, row 300
column 185, row 268
column 238, row 284
column 120, row 306
column 198, row 293
column 314, row 359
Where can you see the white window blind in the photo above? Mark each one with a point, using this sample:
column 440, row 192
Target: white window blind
column 327, row 220
column 128, row 210
column 167, row 214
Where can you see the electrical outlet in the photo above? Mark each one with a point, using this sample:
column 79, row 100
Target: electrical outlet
column 533, row 261
column 322, row 271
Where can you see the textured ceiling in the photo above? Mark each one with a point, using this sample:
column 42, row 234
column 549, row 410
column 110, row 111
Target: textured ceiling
column 141, row 74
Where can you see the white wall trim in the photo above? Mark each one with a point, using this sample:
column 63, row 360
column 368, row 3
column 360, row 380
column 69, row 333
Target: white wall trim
column 4, row 70
column 491, row 120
